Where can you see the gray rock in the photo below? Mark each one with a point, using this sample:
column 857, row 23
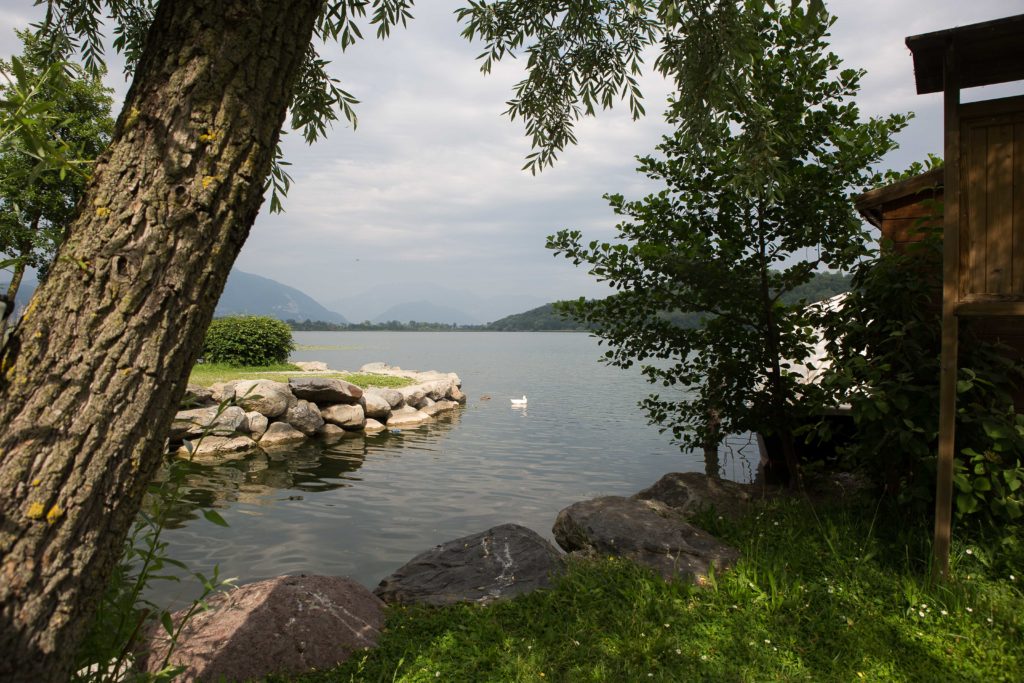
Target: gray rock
column 279, row 434
column 350, row 417
column 258, row 423
column 331, row 432
column 372, row 426
column 376, row 405
column 455, row 394
column 392, row 396
column 438, row 389
column 197, row 396
column 646, row 531
column 190, row 424
column 285, row 625
column 325, row 390
column 262, row 395
column 311, row 366
column 407, row 417
column 502, row 562
column 690, row 492
column 441, row 406
column 216, row 447
column 305, row 417
column 413, row 395
column 221, row 390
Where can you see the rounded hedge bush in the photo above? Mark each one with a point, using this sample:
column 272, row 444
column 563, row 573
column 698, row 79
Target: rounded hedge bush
column 248, row 340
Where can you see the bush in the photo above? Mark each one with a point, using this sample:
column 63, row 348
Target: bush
column 247, row 340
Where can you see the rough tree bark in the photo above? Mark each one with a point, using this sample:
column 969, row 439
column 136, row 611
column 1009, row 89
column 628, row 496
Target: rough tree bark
column 90, row 380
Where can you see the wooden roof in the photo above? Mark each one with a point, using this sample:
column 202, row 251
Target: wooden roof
column 987, row 53
column 871, row 203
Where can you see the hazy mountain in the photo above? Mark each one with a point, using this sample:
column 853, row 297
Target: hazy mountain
column 249, row 294
column 375, row 303
column 540, row 319
column 426, row 312
column 245, row 294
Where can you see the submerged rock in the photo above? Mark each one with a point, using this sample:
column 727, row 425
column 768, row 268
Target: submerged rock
column 648, row 532
column 502, row 562
column 285, row 625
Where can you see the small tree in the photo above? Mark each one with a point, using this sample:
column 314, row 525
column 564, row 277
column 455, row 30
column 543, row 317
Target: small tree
column 36, row 204
column 758, row 176
column 248, row 340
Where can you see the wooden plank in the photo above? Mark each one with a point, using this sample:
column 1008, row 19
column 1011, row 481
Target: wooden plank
column 999, row 211
column 992, row 108
column 917, row 206
column 1017, row 280
column 989, row 308
column 950, row 323
column 905, row 229
column 972, row 229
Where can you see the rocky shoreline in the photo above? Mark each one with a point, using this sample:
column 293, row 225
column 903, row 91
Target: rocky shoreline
column 233, row 418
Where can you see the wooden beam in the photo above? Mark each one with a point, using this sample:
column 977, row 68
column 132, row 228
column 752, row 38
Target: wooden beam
column 950, row 295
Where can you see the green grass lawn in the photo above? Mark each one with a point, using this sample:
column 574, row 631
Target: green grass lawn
column 206, row 374
column 820, row 595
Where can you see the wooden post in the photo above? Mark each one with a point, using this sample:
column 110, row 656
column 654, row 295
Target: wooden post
column 950, row 297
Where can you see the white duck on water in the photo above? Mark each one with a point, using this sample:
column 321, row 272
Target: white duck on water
column 519, row 401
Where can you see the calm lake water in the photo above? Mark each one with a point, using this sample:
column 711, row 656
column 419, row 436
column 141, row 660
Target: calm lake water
column 364, row 506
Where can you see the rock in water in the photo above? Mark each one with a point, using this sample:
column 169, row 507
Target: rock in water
column 351, row 417
column 279, row 434
column 501, row 562
column 288, row 625
column 305, row 417
column 646, row 531
column 262, row 395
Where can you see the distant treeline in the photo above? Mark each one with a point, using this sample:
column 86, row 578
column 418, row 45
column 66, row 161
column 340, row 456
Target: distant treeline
column 547, row 318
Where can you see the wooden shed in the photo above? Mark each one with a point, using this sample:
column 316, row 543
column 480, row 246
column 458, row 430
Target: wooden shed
column 983, row 221
column 903, row 211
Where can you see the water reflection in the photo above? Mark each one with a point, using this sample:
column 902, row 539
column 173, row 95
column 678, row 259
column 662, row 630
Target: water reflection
column 265, row 476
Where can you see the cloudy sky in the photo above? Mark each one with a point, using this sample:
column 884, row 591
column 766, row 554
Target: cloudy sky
column 426, row 199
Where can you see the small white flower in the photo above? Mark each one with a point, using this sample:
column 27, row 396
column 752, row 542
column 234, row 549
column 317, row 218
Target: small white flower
column 945, row 613
column 650, row 675
column 775, row 523
column 667, row 625
column 703, row 658
column 1012, row 577
column 969, row 551
column 576, row 643
column 679, row 652
column 920, row 614
column 437, row 674
column 988, row 619
column 970, row 609
column 767, row 642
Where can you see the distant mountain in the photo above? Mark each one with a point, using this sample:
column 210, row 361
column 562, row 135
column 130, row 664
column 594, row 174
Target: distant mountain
column 377, row 302
column 248, row 294
column 425, row 312
column 244, row 294
column 540, row 319
column 546, row 318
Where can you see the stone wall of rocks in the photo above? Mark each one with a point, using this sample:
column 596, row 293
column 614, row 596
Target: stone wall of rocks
column 270, row 414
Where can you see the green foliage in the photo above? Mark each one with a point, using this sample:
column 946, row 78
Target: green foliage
column 757, row 180
column 543, row 318
column 248, row 340
column 36, row 204
column 884, row 349
column 820, row 594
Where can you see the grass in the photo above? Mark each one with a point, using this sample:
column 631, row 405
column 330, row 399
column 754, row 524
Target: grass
column 206, row 374
column 833, row 594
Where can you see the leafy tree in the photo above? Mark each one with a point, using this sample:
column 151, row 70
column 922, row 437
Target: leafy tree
column 36, row 205
column 757, row 180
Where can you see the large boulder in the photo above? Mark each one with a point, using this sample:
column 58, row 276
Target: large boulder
column 438, row 389
column 305, row 417
column 373, row 427
column 258, row 423
column 376, row 405
column 191, row 424
column 441, row 406
column 262, row 395
column 392, row 396
column 646, row 531
column 350, row 417
column 407, row 417
column 413, row 394
column 280, row 434
column 690, row 492
column 311, row 365
column 286, row 625
column 325, row 390
column 456, row 394
column 502, row 562
column 217, row 447
column 197, row 395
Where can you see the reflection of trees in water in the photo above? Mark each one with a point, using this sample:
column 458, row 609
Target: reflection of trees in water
column 262, row 477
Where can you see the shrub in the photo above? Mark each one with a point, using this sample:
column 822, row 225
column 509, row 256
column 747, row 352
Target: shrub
column 248, row 340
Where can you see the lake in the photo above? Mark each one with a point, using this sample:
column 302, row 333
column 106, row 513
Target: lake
column 364, row 506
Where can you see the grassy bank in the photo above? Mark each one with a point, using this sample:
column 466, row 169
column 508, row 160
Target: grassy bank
column 821, row 595
column 205, row 374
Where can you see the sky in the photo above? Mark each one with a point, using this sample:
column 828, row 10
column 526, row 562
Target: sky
column 425, row 200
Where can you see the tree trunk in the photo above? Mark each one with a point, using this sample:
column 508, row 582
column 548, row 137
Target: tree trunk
column 95, row 369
